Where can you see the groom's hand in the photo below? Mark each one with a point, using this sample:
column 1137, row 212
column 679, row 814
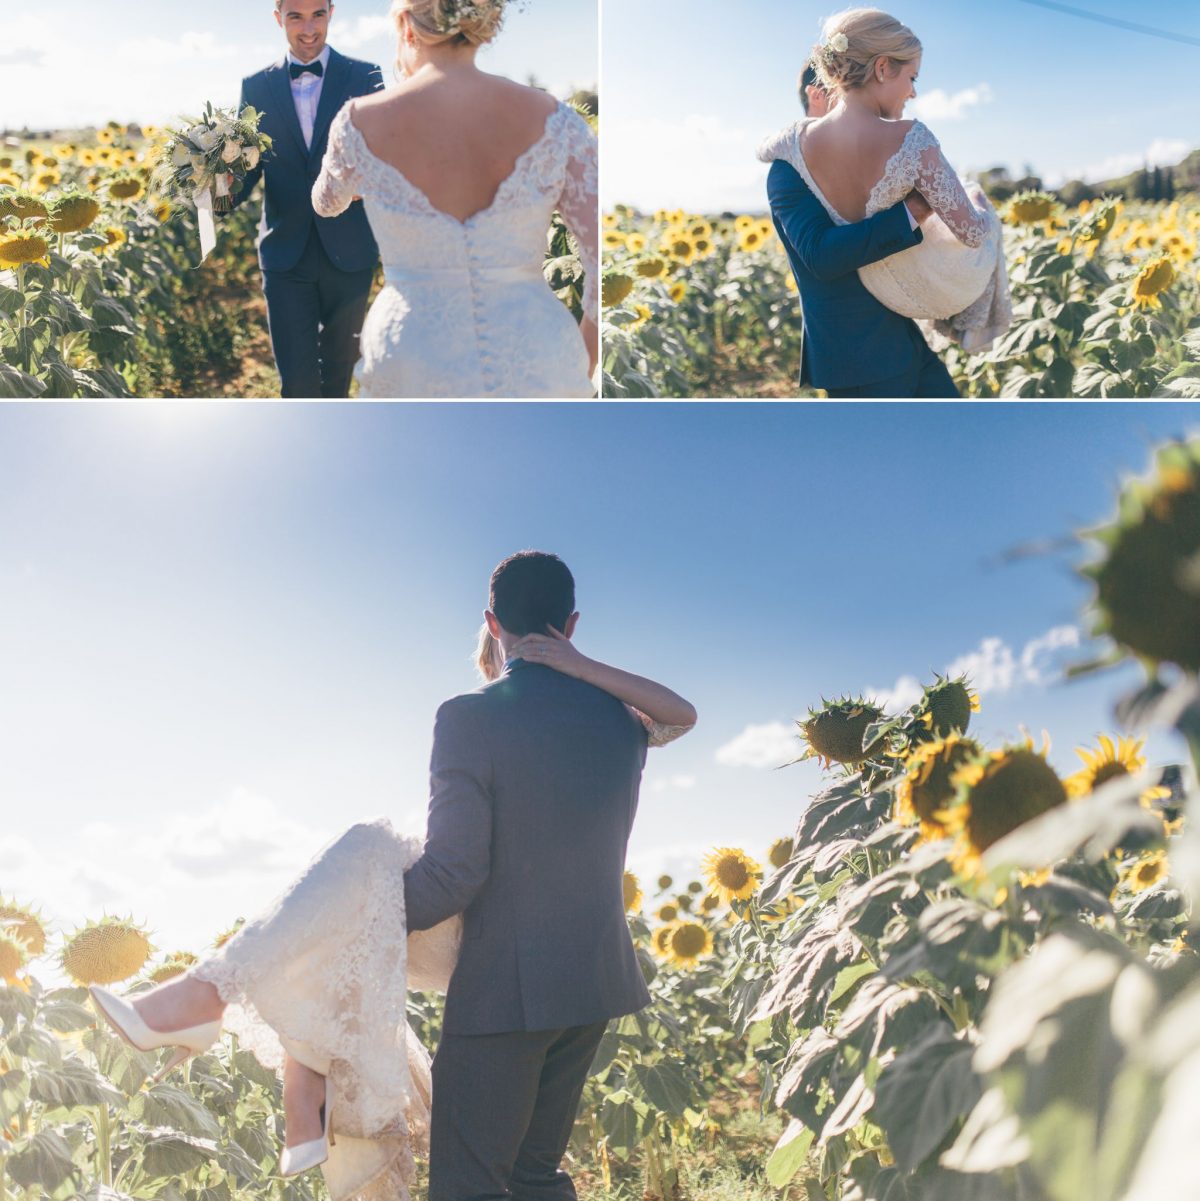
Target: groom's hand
column 918, row 206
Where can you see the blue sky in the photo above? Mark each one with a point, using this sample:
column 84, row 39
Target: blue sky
column 149, row 63
column 692, row 88
column 224, row 631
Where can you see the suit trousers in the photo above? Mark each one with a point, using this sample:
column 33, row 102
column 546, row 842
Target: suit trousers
column 316, row 312
column 504, row 1106
column 926, row 379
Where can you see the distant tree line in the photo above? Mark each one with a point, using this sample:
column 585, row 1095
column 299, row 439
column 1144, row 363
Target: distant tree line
column 1162, row 184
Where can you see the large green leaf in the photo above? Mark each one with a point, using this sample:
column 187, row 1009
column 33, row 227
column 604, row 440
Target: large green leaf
column 72, row 1083
column 166, row 1105
column 44, row 1162
column 173, row 1153
column 922, row 1092
column 790, row 1154
column 666, row 1086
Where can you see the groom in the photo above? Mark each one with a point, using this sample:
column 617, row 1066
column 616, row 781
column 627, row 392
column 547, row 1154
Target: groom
column 534, row 788
column 853, row 346
column 317, row 271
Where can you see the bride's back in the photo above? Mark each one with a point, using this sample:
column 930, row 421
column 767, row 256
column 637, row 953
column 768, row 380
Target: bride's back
column 455, row 136
column 847, row 153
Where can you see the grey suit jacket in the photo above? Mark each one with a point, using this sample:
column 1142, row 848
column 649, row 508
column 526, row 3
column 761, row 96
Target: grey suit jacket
column 534, row 787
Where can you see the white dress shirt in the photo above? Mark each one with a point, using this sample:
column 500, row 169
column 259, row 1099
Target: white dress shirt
column 306, row 93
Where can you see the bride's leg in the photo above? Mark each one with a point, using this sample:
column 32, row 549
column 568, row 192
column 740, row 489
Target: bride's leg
column 179, row 1003
column 303, row 1097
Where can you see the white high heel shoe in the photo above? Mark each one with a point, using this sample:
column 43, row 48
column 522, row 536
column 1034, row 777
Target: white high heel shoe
column 128, row 1023
column 311, row 1154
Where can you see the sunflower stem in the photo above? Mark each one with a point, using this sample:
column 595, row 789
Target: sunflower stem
column 104, row 1145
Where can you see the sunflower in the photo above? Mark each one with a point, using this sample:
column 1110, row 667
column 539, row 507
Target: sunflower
column 73, row 214
column 105, row 952
column 1031, row 208
column 1109, row 762
column 24, row 206
column 172, row 966
column 126, row 187
column 631, row 891
column 731, row 873
column 678, row 246
column 661, row 940
column 927, row 787
column 23, row 924
column 664, row 882
column 751, row 240
column 614, row 238
column 653, row 268
column 687, row 943
column 636, row 242
column 780, row 852
column 226, row 935
column 1145, row 872
column 611, row 220
column 684, row 902
column 615, row 288
column 835, row 732
column 948, row 706
column 710, row 904
column 114, row 236
column 643, row 315
column 695, row 888
column 44, row 180
column 105, row 137
column 13, row 956
column 1145, row 592
column 1151, row 282
column 21, row 247
column 999, row 791
column 163, row 211
column 741, row 224
column 677, row 291
column 668, row 912
column 699, row 228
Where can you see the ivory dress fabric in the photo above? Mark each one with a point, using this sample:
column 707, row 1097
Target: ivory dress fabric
column 466, row 311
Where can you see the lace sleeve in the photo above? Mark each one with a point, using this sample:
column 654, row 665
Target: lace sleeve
column 657, row 733
column 580, row 206
column 339, row 181
column 936, row 180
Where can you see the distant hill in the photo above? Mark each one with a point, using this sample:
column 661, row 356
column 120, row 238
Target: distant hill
column 1154, row 183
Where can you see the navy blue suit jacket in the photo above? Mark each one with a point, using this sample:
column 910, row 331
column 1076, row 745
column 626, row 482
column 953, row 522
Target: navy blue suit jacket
column 534, row 784
column 291, row 169
column 850, row 338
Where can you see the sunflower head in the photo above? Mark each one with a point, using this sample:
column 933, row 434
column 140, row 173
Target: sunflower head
column 1148, row 580
column 652, row 268
column 677, row 291
column 1109, row 761
column 661, row 940
column 613, row 238
column 710, row 903
column 631, row 891
column 23, row 206
column 1031, row 208
column 834, row 733
column 731, row 873
column 1145, row 872
column 106, row 952
column 948, row 705
column 172, row 966
column 113, row 236
column 780, row 852
column 616, row 288
column 23, row 246
column 13, row 955
column 999, row 791
column 927, row 787
column 683, row 902
column 752, row 239
column 695, row 888
column 23, row 924
column 665, row 882
column 688, row 943
column 668, row 912
column 226, row 935
column 1154, row 278
column 73, row 213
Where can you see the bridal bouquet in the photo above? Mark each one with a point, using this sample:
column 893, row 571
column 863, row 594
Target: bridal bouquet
column 198, row 161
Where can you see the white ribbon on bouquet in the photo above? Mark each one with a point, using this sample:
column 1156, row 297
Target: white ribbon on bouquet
column 204, row 215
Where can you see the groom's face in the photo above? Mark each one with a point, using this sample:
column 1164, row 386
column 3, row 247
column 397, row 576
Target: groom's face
column 306, row 25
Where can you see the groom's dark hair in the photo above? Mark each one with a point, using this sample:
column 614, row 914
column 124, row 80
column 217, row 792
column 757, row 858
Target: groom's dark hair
column 530, row 590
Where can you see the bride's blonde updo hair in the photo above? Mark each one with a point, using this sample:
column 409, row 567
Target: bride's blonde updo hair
column 457, row 22
column 853, row 42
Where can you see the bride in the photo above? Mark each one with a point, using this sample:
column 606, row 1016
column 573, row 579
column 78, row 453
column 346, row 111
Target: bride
column 316, row 986
column 460, row 172
column 861, row 158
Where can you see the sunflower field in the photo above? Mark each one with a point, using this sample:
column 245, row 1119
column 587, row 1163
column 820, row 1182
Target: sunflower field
column 101, row 291
column 1106, row 301
column 967, row 976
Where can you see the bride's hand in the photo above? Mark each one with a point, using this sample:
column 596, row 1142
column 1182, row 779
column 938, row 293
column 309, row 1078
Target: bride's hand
column 556, row 651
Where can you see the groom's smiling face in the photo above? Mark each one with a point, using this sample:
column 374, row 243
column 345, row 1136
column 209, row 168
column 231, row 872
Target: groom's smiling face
column 306, row 25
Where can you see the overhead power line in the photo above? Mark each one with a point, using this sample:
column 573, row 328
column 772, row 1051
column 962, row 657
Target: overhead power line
column 1182, row 38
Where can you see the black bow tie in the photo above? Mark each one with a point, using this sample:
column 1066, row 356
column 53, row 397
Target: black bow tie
column 298, row 69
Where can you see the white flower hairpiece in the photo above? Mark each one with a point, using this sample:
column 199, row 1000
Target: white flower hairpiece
column 838, row 43
column 460, row 11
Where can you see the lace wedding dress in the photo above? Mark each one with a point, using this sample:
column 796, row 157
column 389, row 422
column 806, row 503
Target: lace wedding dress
column 955, row 281
column 324, row 973
column 466, row 310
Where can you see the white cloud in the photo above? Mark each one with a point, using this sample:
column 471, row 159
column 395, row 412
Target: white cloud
column 768, row 745
column 649, row 159
column 993, row 667
column 356, row 34
column 679, row 783
column 940, row 105
column 1162, row 152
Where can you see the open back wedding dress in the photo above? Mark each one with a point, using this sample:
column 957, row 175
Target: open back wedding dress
column 466, row 310
column 324, row 975
column 955, row 281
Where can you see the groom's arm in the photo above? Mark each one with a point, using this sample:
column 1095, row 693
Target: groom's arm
column 826, row 249
column 458, row 841
column 242, row 192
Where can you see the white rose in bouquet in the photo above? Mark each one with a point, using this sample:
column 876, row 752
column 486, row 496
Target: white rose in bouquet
column 207, row 139
column 232, row 152
column 181, row 156
column 251, row 154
